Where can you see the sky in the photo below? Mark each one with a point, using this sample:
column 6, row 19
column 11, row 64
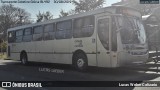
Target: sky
column 54, row 8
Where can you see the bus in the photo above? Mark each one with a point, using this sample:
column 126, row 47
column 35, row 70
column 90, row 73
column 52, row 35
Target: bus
column 108, row 37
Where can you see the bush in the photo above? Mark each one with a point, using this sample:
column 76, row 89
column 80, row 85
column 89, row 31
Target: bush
column 3, row 46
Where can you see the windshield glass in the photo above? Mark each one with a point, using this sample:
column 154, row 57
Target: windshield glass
column 131, row 30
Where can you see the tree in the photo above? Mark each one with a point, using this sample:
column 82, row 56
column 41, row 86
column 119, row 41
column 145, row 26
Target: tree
column 44, row 16
column 83, row 6
column 63, row 13
column 39, row 17
column 87, row 5
column 48, row 16
column 72, row 12
column 145, row 9
column 11, row 16
column 3, row 46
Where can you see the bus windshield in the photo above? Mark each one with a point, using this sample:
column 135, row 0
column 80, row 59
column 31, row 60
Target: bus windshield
column 132, row 30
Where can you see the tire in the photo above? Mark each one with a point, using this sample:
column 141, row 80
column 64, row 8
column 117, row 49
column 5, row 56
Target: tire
column 24, row 59
column 80, row 62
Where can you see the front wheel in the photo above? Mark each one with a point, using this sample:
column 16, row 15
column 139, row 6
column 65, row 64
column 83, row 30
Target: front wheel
column 24, row 59
column 80, row 62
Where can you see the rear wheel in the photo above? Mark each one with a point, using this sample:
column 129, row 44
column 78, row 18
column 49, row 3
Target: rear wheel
column 24, row 59
column 80, row 62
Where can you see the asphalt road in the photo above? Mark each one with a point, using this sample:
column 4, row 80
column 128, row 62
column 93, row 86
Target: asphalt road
column 13, row 71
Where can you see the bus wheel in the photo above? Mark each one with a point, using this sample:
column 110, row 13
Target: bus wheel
column 24, row 59
column 80, row 62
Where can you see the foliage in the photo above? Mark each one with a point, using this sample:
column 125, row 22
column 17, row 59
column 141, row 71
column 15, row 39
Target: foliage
column 87, row 5
column 3, row 46
column 145, row 9
column 11, row 16
column 3, row 56
column 63, row 13
column 48, row 16
column 39, row 17
column 44, row 16
column 83, row 6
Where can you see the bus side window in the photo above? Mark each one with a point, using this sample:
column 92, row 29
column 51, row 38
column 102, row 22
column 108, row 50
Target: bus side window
column 114, row 35
column 37, row 33
column 11, row 37
column 83, row 27
column 88, row 27
column 77, row 25
column 19, row 35
column 27, row 35
column 49, row 32
column 64, row 29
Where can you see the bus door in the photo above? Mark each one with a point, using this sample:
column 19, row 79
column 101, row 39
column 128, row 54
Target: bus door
column 103, row 41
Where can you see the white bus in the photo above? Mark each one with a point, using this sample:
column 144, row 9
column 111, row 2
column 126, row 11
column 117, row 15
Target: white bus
column 108, row 37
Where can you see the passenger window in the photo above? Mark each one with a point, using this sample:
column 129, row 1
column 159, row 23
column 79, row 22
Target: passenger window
column 114, row 35
column 49, row 32
column 27, row 35
column 83, row 27
column 37, row 33
column 64, row 29
column 19, row 35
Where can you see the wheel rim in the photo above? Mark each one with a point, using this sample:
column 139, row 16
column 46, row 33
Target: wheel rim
column 80, row 63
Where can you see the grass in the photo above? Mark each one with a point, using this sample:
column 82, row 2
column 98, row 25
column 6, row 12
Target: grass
column 3, row 56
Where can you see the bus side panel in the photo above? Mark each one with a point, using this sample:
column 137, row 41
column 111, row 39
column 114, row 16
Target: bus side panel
column 15, row 56
column 88, row 46
column 48, row 51
column 62, row 51
column 92, row 59
column 29, row 48
column 15, row 50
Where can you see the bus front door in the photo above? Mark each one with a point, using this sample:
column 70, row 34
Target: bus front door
column 103, row 41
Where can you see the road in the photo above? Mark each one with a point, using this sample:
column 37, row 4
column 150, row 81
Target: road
column 13, row 71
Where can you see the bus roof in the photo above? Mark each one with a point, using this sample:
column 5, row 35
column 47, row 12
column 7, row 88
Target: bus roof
column 111, row 10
